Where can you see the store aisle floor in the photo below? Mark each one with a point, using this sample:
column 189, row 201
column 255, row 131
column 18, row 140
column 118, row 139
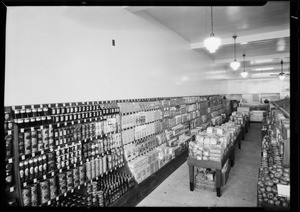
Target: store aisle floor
column 239, row 191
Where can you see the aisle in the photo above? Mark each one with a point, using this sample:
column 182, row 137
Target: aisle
column 240, row 190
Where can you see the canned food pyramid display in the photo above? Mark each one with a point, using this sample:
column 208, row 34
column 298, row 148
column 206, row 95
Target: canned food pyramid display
column 74, row 154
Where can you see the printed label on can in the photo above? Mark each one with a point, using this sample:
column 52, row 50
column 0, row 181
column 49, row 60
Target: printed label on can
column 26, row 195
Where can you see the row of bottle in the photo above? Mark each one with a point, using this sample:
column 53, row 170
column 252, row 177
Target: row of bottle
column 44, row 190
column 96, row 167
column 80, row 200
column 101, row 146
column 109, row 108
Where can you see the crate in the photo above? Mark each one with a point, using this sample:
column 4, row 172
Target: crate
column 203, row 184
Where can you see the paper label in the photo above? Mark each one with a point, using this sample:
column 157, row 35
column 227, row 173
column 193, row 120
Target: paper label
column 283, row 190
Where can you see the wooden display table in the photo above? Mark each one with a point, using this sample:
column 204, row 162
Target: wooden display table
column 218, row 165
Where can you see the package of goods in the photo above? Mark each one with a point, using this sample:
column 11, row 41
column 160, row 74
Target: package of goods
column 220, row 130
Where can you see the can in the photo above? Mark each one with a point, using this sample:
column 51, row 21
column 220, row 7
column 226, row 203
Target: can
column 51, row 143
column 69, row 180
column 26, row 171
column 62, row 182
column 26, row 196
column 76, row 177
column 44, row 165
column 21, row 171
column 35, row 168
column 52, row 188
column 51, row 166
column 31, row 169
column 34, row 196
column 40, row 164
column 45, row 136
column 89, row 188
column 34, row 142
column 40, row 144
column 27, row 142
column 44, row 191
column 21, row 143
column 50, row 132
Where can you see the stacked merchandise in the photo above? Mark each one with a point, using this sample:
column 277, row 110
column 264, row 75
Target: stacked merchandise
column 244, row 111
column 205, row 179
column 213, row 143
column 274, row 173
column 238, row 118
column 145, row 165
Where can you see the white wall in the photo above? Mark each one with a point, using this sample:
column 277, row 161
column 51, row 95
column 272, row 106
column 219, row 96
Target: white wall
column 64, row 54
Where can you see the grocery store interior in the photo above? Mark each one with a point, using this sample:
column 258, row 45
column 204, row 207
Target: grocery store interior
column 148, row 106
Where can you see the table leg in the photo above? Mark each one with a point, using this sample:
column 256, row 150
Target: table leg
column 240, row 141
column 231, row 158
column 218, row 182
column 192, row 178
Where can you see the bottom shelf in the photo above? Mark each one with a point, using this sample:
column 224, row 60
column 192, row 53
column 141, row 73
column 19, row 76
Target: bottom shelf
column 142, row 190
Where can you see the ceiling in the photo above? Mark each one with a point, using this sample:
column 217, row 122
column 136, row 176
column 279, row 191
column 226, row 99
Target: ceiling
column 262, row 33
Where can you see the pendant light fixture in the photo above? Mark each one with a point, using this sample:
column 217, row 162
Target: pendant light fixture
column 281, row 75
column 212, row 43
column 244, row 73
column 235, row 64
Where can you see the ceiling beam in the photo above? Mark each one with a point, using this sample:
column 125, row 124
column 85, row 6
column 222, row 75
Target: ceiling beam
column 248, row 38
column 135, row 8
column 258, row 57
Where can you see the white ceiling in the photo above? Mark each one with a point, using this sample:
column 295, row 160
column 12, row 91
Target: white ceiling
column 264, row 29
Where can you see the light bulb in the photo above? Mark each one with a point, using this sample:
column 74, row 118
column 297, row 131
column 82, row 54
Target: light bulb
column 244, row 74
column 212, row 43
column 281, row 76
column 235, row 65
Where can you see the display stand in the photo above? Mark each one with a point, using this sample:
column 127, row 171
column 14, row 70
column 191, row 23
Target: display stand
column 218, row 165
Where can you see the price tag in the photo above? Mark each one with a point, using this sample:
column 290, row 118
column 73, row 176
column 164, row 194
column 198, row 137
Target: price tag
column 44, row 177
column 58, row 124
column 25, row 184
column 72, row 122
column 22, row 130
column 32, row 128
column 65, row 194
column 10, row 160
column 57, row 198
column 11, row 189
column 90, row 119
column 49, row 202
column 34, row 180
column 78, row 187
column 84, row 184
column 65, row 123
column 283, row 190
column 23, row 157
column 52, row 174
column 72, row 190
column 60, row 171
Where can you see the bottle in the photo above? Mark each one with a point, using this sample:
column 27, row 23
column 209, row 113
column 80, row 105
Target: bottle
column 26, row 171
column 31, row 169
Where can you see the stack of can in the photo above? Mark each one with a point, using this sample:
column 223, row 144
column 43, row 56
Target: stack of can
column 76, row 177
column 33, row 194
column 99, row 195
column 26, row 196
column 44, row 191
column 81, row 175
column 62, row 183
column 52, row 187
column 45, row 137
column 69, row 174
column 93, row 169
